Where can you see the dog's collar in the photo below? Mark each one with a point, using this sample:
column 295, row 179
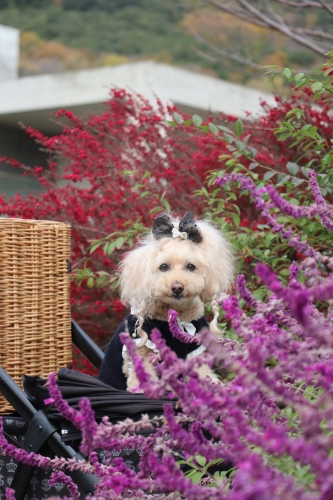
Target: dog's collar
column 184, row 325
column 189, row 327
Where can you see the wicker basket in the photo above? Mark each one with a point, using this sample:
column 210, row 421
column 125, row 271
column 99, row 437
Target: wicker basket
column 35, row 318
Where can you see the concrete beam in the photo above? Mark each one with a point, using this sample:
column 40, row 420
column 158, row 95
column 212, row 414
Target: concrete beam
column 31, row 99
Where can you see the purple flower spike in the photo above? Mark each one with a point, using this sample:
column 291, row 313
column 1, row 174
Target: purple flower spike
column 10, row 494
column 293, row 269
column 297, row 300
column 244, row 293
column 60, row 477
column 88, row 426
column 61, row 405
column 326, row 221
column 178, row 332
column 286, row 207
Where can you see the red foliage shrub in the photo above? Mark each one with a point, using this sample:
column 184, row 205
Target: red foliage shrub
column 94, row 166
column 96, row 162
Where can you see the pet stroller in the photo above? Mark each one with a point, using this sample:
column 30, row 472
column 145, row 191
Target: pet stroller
column 36, row 338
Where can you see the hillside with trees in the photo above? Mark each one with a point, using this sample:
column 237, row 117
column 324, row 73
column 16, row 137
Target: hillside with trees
column 60, row 35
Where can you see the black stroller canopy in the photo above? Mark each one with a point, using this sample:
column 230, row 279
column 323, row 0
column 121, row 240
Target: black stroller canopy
column 104, row 399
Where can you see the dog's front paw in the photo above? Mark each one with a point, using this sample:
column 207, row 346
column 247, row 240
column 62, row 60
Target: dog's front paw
column 204, row 371
column 132, row 379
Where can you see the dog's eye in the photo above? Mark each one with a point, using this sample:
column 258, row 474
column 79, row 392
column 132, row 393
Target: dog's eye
column 190, row 267
column 164, row 268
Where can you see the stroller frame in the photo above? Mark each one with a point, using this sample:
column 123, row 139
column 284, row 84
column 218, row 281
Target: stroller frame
column 41, row 430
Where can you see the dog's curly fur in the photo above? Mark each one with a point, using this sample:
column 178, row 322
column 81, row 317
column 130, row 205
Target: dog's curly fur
column 148, row 287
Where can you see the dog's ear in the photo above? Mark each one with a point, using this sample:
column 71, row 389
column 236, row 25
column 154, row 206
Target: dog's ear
column 218, row 260
column 136, row 276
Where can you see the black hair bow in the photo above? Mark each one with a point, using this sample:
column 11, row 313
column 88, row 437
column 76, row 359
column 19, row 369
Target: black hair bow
column 163, row 227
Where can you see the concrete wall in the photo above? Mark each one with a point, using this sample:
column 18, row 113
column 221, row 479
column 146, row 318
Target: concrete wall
column 15, row 143
column 9, row 52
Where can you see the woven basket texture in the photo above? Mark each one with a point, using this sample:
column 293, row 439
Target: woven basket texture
column 35, row 319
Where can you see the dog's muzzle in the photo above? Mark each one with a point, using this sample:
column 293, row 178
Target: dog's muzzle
column 177, row 289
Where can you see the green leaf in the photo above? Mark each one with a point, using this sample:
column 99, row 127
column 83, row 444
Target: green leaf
column 253, row 151
column 236, row 219
column 293, row 168
column 201, row 460
column 287, row 73
column 240, row 145
column 178, row 118
column 316, row 86
column 268, row 175
column 301, row 82
column 282, row 178
column 312, row 132
column 283, row 137
column 213, row 128
column 109, row 248
column 197, row 120
column 306, row 171
column 90, row 282
column 95, row 246
column 119, row 242
column 297, row 181
column 169, row 123
column 196, row 477
column 225, row 129
column 166, row 205
column 239, row 127
column 137, row 187
column 229, row 138
column 295, row 111
column 299, row 76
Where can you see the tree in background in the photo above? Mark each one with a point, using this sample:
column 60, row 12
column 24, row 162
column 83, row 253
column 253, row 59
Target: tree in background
column 40, row 56
column 88, row 31
column 300, row 30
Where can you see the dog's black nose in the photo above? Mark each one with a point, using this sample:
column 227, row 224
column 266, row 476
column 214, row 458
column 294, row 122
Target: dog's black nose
column 177, row 288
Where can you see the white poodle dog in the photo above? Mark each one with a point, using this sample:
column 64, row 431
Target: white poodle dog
column 180, row 263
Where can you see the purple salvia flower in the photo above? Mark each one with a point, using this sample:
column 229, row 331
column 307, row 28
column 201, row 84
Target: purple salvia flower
column 293, row 272
column 264, row 208
column 58, row 401
column 60, row 477
column 10, row 494
column 244, row 293
column 178, row 332
column 297, row 300
column 273, row 310
column 88, row 426
column 326, row 221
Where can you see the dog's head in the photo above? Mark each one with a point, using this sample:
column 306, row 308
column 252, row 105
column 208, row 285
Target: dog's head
column 172, row 268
